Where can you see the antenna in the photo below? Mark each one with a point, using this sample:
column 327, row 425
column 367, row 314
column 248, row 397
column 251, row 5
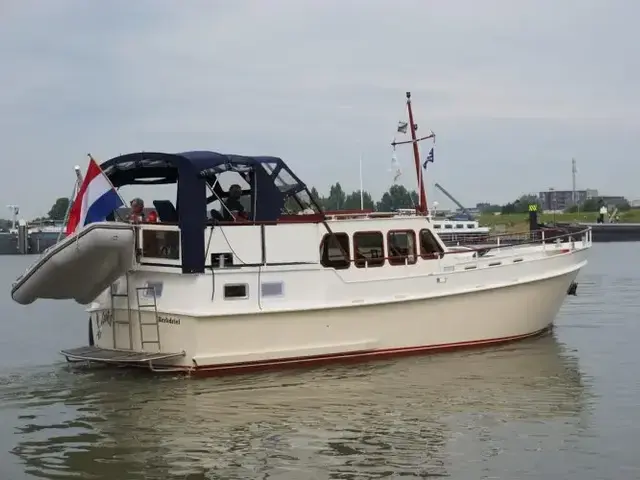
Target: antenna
column 361, row 185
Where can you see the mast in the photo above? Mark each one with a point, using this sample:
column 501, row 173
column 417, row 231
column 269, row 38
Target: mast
column 422, row 205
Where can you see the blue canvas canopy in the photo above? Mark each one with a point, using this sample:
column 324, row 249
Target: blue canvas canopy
column 271, row 182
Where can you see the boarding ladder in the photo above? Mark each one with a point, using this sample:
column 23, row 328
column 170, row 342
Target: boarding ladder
column 143, row 294
column 148, row 291
column 121, row 355
column 113, row 291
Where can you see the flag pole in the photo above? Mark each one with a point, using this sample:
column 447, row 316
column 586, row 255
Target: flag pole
column 361, row 185
column 72, row 198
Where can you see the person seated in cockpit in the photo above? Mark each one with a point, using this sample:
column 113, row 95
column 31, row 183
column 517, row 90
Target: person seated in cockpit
column 137, row 211
column 232, row 206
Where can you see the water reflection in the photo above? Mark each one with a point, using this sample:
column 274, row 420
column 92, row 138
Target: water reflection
column 411, row 417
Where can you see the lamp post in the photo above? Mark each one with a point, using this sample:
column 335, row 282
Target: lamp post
column 435, row 209
column 14, row 215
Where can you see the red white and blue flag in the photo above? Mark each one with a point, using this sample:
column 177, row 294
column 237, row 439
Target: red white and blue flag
column 95, row 199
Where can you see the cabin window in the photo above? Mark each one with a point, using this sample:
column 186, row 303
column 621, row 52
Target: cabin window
column 235, row 290
column 429, row 246
column 401, row 246
column 437, row 226
column 335, row 251
column 161, row 244
column 368, row 249
column 448, row 226
column 221, row 260
column 272, row 289
column 459, row 225
column 154, row 289
column 470, row 225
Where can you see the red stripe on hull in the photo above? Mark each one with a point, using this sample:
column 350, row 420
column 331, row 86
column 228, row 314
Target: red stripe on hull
column 351, row 357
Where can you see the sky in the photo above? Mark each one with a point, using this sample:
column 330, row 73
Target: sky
column 512, row 89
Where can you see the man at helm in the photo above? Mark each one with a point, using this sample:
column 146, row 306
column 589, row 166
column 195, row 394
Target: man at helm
column 232, row 205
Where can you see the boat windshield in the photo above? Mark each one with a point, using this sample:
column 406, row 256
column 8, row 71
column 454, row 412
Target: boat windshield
column 258, row 188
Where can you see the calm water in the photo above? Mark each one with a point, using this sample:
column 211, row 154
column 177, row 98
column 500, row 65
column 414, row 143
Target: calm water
column 563, row 406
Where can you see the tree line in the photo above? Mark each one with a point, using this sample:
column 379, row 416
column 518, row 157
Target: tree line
column 396, row 197
column 521, row 205
column 57, row 212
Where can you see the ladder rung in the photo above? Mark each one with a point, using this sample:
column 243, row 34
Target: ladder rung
column 142, row 324
column 119, row 295
column 121, row 322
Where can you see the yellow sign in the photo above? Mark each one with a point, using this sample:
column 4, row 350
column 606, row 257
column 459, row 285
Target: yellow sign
column 533, row 207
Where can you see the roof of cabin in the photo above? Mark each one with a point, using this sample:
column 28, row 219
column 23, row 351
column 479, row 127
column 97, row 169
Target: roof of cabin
column 134, row 168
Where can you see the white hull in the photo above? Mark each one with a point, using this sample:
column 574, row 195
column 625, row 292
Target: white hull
column 470, row 309
column 80, row 266
column 218, row 286
column 214, row 286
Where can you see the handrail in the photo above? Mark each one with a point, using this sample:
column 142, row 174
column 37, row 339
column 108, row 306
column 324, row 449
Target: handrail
column 168, row 227
column 542, row 240
column 527, row 232
column 509, row 235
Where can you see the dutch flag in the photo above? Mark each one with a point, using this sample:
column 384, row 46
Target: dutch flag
column 95, row 199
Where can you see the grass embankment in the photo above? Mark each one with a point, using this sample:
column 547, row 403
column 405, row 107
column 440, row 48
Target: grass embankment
column 519, row 222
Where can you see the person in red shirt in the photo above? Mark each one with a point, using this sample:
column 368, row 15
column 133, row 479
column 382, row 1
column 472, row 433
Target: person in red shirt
column 137, row 211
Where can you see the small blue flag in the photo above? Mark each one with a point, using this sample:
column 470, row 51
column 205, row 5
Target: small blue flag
column 429, row 159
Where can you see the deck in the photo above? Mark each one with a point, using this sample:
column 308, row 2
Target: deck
column 118, row 357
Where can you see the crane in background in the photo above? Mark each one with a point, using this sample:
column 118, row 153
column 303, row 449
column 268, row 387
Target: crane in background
column 458, row 204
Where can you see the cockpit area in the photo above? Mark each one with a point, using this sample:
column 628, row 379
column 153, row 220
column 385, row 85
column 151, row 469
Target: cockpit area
column 213, row 188
column 258, row 189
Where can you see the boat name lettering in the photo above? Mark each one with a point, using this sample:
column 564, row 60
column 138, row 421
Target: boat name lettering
column 169, row 320
column 104, row 317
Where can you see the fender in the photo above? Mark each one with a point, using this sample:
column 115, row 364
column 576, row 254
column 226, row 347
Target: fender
column 91, row 341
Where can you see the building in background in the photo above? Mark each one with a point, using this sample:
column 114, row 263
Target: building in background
column 560, row 200
column 563, row 199
column 614, row 200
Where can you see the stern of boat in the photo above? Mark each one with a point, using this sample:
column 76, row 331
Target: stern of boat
column 126, row 327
